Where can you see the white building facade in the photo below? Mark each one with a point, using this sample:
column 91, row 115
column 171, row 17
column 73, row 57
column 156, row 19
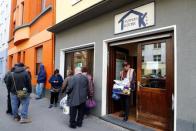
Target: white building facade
column 5, row 6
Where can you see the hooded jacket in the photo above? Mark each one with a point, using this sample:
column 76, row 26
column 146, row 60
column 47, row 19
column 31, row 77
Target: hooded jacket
column 21, row 79
column 41, row 75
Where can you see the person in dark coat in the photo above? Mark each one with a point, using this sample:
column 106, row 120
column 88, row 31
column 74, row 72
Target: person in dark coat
column 91, row 88
column 77, row 92
column 41, row 80
column 67, row 80
column 56, row 82
column 66, row 83
column 9, row 107
column 19, row 80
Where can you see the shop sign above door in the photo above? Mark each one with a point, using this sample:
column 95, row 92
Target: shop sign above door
column 137, row 18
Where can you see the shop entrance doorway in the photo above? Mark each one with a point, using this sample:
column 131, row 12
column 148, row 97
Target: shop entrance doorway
column 151, row 101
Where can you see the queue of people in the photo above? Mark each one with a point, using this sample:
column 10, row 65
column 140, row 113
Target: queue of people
column 78, row 86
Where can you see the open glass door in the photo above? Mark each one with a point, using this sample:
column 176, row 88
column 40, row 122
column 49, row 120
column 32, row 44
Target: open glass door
column 155, row 83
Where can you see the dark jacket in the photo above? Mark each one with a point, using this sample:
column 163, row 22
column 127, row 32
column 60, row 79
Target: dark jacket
column 58, row 79
column 77, row 90
column 6, row 79
column 41, row 75
column 21, row 78
column 90, row 85
column 66, row 83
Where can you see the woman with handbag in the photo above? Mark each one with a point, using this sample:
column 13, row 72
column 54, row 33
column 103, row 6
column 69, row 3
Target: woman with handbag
column 56, row 81
column 90, row 103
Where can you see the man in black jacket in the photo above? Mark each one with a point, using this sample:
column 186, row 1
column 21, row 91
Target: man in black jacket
column 9, row 107
column 19, row 80
column 77, row 95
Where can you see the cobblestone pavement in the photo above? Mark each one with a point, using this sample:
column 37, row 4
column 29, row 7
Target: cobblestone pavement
column 45, row 119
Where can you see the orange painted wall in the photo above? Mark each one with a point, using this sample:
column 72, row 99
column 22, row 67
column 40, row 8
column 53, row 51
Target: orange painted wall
column 32, row 8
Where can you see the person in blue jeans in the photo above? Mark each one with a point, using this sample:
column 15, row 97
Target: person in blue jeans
column 41, row 80
column 19, row 80
column 56, row 82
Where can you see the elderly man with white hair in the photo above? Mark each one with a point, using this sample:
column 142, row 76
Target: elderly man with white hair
column 77, row 95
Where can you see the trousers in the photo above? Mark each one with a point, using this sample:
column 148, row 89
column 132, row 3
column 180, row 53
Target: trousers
column 77, row 114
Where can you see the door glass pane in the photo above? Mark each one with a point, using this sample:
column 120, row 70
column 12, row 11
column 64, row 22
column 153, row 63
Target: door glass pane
column 154, row 65
column 120, row 58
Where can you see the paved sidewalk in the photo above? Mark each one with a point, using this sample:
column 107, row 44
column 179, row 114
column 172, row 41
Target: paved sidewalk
column 45, row 119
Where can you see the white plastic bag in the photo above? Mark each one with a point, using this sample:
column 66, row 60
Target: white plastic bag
column 63, row 104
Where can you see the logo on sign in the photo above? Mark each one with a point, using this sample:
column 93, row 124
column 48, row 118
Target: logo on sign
column 140, row 19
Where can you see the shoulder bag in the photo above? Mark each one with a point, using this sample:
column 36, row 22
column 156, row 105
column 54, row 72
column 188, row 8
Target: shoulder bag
column 21, row 94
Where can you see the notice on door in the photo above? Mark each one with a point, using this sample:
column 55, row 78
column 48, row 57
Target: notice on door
column 137, row 18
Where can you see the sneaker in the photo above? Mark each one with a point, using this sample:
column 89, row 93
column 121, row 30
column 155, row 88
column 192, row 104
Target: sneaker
column 17, row 118
column 24, row 120
column 50, row 106
column 37, row 98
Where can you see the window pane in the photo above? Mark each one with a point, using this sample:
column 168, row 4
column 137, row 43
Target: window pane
column 39, row 55
column 154, row 66
column 80, row 59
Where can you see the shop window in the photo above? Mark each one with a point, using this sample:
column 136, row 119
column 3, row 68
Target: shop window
column 39, row 52
column 82, row 58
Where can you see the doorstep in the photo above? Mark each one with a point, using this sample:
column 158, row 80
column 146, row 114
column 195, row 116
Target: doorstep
column 132, row 126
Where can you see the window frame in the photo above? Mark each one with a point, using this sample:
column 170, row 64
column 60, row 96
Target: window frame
column 37, row 64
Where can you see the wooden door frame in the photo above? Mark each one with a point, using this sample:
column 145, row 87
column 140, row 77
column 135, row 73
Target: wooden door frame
column 122, row 38
column 111, row 71
column 132, row 36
